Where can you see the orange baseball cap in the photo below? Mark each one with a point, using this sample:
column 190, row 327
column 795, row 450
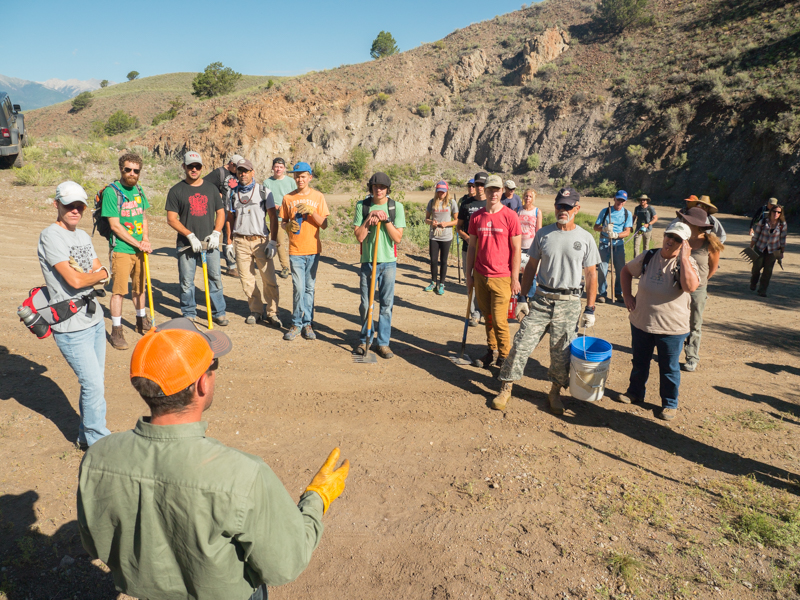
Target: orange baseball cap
column 175, row 354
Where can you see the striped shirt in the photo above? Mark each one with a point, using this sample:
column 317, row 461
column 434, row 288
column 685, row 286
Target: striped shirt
column 770, row 240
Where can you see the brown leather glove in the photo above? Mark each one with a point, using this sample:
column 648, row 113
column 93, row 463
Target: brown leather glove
column 329, row 483
column 74, row 264
column 294, row 226
column 305, row 209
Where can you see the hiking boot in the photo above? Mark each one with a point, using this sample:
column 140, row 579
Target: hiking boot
column 430, row 287
column 293, row 332
column 308, row 333
column 667, row 414
column 601, row 300
column 473, row 322
column 690, row 366
column 556, row 407
column 360, row 350
column 486, row 360
column 384, row 352
column 118, row 338
column 252, row 319
column 498, row 362
column 221, row 321
column 284, row 273
column 274, row 321
column 627, row 398
column 440, row 289
column 500, row 401
column 234, row 272
column 143, row 324
column 762, row 294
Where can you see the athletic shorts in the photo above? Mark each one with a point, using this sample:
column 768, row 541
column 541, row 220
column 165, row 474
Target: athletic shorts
column 124, row 267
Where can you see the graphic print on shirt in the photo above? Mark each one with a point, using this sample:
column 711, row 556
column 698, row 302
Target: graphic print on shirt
column 83, row 256
column 132, row 208
column 198, row 205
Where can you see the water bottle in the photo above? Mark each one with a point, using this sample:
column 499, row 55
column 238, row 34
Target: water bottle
column 512, row 308
column 33, row 321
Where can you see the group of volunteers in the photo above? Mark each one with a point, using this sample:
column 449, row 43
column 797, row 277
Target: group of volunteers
column 176, row 514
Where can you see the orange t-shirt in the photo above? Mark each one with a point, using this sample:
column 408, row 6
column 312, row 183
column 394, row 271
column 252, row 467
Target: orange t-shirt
column 306, row 241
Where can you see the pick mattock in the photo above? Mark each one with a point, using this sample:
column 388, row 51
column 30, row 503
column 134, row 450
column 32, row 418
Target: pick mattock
column 149, row 290
column 205, row 284
column 610, row 256
column 367, row 357
column 463, row 359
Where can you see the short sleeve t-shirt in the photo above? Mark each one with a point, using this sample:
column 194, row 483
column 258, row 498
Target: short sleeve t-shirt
column 197, row 208
column 494, row 232
column 223, row 180
column 644, row 215
column 306, row 241
column 562, row 256
column 130, row 214
column 528, row 220
column 621, row 219
column 465, row 213
column 56, row 245
column 514, row 203
column 386, row 247
column 279, row 188
column 662, row 307
column 447, row 213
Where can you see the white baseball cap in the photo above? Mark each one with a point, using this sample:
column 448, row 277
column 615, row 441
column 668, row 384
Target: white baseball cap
column 69, row 192
column 510, row 184
column 192, row 158
column 681, row 230
column 235, row 159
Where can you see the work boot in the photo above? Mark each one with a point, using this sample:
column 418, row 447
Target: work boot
column 500, row 401
column 486, row 360
column 118, row 338
column 233, row 272
column 384, row 352
column 143, row 324
column 555, row 400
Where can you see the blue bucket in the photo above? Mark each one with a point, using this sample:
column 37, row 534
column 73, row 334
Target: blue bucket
column 591, row 349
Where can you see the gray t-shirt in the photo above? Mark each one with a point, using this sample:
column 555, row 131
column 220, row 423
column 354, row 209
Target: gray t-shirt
column 563, row 255
column 56, row 245
column 447, row 214
column 250, row 211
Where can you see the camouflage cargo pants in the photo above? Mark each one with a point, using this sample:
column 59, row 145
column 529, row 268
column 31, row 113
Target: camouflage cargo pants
column 561, row 317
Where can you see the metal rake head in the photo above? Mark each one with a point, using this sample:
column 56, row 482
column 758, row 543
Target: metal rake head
column 749, row 255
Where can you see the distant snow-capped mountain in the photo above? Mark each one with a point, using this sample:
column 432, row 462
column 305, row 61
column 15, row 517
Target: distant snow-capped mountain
column 72, row 87
column 35, row 94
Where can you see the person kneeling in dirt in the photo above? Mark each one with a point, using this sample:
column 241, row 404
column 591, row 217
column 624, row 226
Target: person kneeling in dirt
column 175, row 514
column 376, row 211
column 560, row 252
column 249, row 206
column 495, row 238
column 71, row 268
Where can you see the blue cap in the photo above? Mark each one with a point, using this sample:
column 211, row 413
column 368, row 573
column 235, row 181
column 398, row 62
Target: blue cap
column 470, row 182
column 302, row 167
column 621, row 194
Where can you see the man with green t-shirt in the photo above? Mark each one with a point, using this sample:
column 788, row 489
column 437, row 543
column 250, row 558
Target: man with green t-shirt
column 280, row 185
column 124, row 204
column 378, row 210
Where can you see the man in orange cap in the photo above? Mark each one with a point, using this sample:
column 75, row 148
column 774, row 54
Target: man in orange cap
column 175, row 514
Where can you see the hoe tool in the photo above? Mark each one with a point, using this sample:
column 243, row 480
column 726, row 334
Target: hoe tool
column 368, row 357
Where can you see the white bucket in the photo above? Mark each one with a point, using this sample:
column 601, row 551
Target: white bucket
column 587, row 380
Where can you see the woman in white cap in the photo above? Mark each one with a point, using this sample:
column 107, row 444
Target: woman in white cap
column 71, row 268
column 441, row 216
column 659, row 315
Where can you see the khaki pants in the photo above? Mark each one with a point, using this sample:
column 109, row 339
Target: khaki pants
column 283, row 244
column 251, row 258
column 641, row 239
column 492, row 295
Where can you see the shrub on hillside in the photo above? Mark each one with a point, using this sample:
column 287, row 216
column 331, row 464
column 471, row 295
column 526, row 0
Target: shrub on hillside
column 383, row 45
column 104, row 83
column 606, row 189
column 357, row 162
column 216, row 80
column 380, row 100
column 81, row 101
column 618, row 15
column 532, row 162
column 132, row 75
column 423, row 110
column 120, row 122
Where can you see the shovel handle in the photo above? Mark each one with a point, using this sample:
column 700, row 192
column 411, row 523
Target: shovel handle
column 374, row 278
column 149, row 289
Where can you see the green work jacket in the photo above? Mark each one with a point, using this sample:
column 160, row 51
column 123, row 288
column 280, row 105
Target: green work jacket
column 176, row 515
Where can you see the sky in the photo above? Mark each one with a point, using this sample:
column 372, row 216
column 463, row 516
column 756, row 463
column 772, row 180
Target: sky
column 86, row 39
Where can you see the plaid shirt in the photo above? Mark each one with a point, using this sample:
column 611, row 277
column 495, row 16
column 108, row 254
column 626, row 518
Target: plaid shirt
column 769, row 240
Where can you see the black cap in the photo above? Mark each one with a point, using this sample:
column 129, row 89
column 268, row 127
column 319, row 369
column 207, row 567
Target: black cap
column 278, row 161
column 379, row 179
column 568, row 195
column 481, row 177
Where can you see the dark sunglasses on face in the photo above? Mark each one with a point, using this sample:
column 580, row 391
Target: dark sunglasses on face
column 79, row 206
column 129, row 169
column 673, row 237
column 194, row 167
column 777, row 212
column 241, row 170
column 564, row 207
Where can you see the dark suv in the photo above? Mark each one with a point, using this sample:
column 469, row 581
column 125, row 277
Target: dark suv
column 12, row 132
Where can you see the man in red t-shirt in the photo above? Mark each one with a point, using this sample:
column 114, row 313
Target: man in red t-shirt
column 495, row 238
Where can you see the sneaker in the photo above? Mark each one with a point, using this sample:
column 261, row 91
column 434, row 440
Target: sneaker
column 293, row 332
column 274, row 320
column 440, row 289
column 284, row 273
column 601, row 300
column 554, row 397
column 308, row 333
column 629, row 399
column 690, row 366
column 486, row 361
column 252, row 319
column 118, row 338
column 384, row 352
column 473, row 322
column 430, row 287
column 143, row 324
column 221, row 321
column 360, row 350
column 234, row 272
column 500, row 401
column 667, row 414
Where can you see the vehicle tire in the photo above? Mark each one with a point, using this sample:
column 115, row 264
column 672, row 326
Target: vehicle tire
column 7, row 161
column 19, row 161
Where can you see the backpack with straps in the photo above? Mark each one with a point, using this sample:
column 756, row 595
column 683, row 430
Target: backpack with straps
column 99, row 222
column 649, row 255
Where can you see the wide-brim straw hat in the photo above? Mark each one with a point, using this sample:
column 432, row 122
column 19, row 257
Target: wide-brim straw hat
column 694, row 216
column 705, row 201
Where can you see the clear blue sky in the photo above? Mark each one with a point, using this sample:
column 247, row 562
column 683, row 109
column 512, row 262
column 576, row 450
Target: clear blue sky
column 86, row 39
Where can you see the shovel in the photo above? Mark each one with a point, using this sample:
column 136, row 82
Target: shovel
column 149, row 289
column 367, row 357
column 205, row 284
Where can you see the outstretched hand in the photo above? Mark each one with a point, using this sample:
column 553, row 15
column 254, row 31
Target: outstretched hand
column 329, row 483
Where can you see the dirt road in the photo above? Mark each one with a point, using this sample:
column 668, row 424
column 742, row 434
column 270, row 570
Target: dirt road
column 446, row 498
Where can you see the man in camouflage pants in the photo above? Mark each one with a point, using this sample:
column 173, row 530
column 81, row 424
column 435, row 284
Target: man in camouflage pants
column 559, row 251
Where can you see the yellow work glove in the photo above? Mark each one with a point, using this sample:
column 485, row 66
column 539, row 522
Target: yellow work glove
column 329, row 484
column 305, row 209
column 294, row 226
column 74, row 264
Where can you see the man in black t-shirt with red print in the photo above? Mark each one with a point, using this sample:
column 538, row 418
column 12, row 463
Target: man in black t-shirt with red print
column 196, row 211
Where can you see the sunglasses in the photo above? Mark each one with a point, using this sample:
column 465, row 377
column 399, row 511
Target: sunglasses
column 673, row 237
column 129, row 169
column 194, row 167
column 242, row 170
column 79, row 206
column 777, row 212
column 470, row 185
column 564, row 207
column 479, row 185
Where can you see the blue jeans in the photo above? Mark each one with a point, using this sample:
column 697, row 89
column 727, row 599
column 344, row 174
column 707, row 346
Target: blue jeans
column 669, row 369
column 188, row 262
column 602, row 267
column 85, row 352
column 304, row 278
column 384, row 294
